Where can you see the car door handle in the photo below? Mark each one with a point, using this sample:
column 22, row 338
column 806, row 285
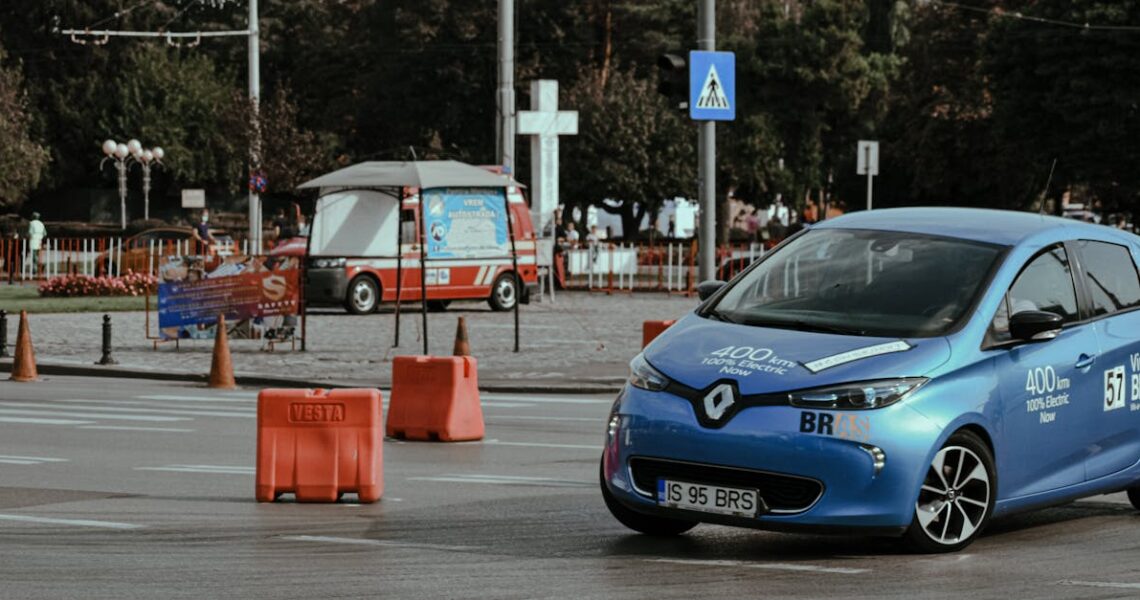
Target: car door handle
column 1085, row 361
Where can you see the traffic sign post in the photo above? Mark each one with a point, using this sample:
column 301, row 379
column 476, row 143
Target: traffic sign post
column 867, row 163
column 712, row 86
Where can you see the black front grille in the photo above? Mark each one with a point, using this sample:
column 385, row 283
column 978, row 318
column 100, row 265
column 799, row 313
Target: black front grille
column 782, row 493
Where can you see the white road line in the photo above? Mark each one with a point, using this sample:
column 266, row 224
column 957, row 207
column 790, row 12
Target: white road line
column 72, row 522
column 242, row 399
column 760, row 565
column 544, row 399
column 502, row 480
column 597, row 447
column 1102, row 584
column 126, row 428
column 8, row 459
column 504, row 404
column 35, row 421
column 244, row 414
column 544, row 418
column 154, row 419
column 380, row 543
column 204, row 469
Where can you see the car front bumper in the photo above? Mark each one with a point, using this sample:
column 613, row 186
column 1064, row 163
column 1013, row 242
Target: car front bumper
column 766, row 444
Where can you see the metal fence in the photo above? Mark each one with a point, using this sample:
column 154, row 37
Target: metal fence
column 110, row 256
column 630, row 267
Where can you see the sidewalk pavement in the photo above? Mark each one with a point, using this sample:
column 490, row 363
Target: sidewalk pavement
column 581, row 343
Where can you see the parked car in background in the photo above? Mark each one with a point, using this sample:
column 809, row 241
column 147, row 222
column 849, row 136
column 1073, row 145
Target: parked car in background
column 139, row 249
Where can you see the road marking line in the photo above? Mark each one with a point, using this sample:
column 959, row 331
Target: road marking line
column 1102, row 584
column 502, row 480
column 28, row 460
column 206, row 469
column 494, row 404
column 155, row 419
column 597, row 447
column 35, row 421
column 760, row 565
column 245, row 399
column 380, row 543
column 541, row 418
column 544, row 399
column 245, row 414
column 73, row 522
column 127, row 428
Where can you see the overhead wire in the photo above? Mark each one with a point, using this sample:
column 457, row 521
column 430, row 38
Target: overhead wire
column 1017, row 15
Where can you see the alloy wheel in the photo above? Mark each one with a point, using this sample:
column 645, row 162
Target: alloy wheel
column 955, row 496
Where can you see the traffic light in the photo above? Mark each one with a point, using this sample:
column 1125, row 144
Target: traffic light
column 673, row 80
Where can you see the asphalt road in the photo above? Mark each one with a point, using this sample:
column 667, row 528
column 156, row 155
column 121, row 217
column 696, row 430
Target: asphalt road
column 133, row 489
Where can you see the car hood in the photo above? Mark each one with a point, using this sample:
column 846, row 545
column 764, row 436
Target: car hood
column 698, row 352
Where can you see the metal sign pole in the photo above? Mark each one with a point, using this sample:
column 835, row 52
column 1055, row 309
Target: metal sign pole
column 869, row 184
column 706, row 161
column 423, row 268
column 399, row 262
column 519, row 285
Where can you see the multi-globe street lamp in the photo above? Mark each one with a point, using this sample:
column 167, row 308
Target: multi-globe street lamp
column 124, row 155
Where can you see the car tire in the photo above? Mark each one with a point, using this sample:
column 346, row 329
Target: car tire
column 957, row 496
column 1134, row 497
column 642, row 523
column 438, row 305
column 363, row 295
column 504, row 292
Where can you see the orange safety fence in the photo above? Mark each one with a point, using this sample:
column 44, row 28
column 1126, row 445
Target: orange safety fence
column 95, row 257
column 647, row 266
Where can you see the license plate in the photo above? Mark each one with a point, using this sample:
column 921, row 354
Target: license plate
column 708, row 498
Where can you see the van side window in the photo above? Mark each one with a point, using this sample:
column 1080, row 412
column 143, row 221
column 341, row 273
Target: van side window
column 408, row 231
column 1110, row 276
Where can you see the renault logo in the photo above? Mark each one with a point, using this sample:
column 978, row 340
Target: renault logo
column 719, row 400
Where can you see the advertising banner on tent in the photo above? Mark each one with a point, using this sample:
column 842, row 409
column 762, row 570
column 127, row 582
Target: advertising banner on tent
column 466, row 223
column 260, row 294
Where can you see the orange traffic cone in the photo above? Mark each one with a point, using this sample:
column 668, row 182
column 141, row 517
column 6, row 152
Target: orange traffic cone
column 24, row 367
column 462, row 347
column 221, row 367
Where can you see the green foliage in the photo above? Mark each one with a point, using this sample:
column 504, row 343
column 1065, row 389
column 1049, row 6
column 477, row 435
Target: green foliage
column 22, row 160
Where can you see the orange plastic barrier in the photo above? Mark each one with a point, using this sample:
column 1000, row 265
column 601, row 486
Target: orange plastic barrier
column 435, row 398
column 319, row 445
column 652, row 329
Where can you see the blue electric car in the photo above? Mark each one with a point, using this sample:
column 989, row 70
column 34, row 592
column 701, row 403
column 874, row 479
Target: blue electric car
column 909, row 372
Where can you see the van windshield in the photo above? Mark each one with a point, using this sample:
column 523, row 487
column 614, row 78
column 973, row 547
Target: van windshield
column 860, row 282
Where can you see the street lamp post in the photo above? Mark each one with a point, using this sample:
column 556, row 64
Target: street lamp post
column 124, row 155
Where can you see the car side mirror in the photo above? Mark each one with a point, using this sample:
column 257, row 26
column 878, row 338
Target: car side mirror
column 706, row 289
column 1035, row 325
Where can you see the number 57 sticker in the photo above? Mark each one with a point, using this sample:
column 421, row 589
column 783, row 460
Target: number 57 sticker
column 1114, row 388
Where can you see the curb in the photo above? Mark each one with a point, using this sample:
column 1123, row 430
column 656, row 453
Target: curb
column 256, row 380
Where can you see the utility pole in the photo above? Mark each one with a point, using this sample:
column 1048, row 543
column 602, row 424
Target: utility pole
column 255, row 143
column 505, row 100
column 706, row 153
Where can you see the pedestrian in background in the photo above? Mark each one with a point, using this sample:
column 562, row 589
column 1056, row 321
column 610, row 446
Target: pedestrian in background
column 36, row 234
column 202, row 235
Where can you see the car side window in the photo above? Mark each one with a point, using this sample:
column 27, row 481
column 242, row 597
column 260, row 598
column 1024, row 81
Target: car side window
column 1046, row 283
column 1110, row 276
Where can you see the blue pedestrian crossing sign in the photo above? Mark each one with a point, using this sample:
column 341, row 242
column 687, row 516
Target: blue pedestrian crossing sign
column 712, row 86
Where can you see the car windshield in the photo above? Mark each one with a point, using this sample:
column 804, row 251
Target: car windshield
column 861, row 282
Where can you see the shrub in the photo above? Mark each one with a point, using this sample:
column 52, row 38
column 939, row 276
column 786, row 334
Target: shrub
column 131, row 284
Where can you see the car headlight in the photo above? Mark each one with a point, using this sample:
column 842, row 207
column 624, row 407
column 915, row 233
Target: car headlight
column 328, row 263
column 643, row 375
column 857, row 396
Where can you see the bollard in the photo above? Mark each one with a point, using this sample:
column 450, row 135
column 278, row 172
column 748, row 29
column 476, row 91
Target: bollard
column 3, row 334
column 107, row 360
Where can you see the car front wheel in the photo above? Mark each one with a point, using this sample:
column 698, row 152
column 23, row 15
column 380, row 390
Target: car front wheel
column 642, row 523
column 957, row 496
column 363, row 295
column 504, row 293
column 1134, row 497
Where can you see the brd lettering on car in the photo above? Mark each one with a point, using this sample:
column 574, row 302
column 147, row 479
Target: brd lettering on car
column 845, row 426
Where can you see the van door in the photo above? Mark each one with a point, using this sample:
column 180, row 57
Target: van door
column 410, row 251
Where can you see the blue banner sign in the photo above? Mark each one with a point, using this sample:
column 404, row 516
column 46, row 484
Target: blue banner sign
column 466, row 223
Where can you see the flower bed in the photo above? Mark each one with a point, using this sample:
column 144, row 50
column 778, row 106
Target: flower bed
column 131, row 284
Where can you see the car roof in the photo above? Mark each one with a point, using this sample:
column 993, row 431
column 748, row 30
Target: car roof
column 1005, row 227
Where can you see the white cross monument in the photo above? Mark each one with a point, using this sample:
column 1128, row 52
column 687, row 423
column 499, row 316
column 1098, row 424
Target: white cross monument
column 544, row 123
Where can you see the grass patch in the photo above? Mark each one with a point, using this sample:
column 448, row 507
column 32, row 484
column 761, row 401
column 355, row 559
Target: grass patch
column 14, row 298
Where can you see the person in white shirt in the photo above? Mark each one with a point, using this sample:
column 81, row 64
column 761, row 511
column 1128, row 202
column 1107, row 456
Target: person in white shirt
column 36, row 234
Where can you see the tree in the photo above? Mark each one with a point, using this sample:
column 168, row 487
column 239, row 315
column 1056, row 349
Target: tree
column 631, row 147
column 22, row 159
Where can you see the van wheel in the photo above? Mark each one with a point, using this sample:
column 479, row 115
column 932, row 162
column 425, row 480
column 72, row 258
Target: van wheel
column 504, row 293
column 363, row 295
column 957, row 496
column 438, row 305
